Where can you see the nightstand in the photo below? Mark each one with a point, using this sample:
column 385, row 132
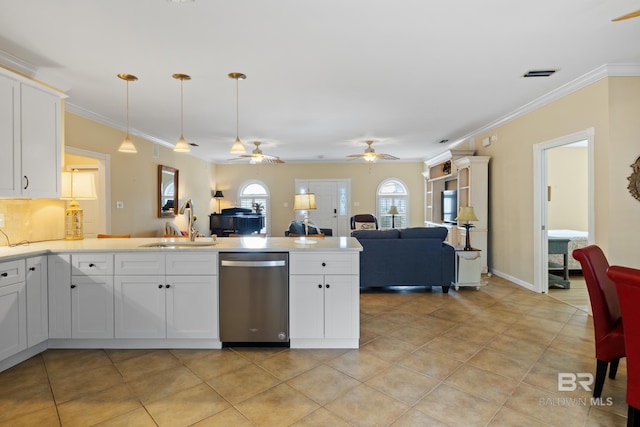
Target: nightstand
column 468, row 268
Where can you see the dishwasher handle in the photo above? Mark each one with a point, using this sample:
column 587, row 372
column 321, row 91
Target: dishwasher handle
column 274, row 263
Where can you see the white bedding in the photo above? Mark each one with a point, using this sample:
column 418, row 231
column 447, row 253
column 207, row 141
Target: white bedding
column 577, row 239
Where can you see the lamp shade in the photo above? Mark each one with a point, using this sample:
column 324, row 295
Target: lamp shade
column 467, row 214
column 218, row 194
column 78, row 185
column 303, row 202
column 393, row 210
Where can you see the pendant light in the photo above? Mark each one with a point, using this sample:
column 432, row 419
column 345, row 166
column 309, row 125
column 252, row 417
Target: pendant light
column 237, row 147
column 182, row 146
column 127, row 145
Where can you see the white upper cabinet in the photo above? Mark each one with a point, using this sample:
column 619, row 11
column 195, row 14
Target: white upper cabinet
column 30, row 138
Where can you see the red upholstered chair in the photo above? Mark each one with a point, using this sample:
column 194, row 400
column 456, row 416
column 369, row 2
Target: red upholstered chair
column 607, row 321
column 627, row 282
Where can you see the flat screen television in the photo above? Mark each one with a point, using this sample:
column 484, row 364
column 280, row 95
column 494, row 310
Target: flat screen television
column 449, row 206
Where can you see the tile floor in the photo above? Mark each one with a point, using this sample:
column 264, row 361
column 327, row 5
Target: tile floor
column 487, row 358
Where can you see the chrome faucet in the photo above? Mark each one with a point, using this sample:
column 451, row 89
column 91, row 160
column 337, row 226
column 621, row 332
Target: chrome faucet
column 188, row 205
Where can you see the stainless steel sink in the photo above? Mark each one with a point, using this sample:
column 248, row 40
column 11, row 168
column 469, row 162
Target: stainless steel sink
column 178, row 244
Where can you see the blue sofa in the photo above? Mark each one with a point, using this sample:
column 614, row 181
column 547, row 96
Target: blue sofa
column 416, row 256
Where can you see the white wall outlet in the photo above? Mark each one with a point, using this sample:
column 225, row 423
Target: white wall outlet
column 119, row 205
column 1, row 220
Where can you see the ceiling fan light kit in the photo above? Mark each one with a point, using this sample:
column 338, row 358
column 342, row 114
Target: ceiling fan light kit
column 181, row 146
column 126, row 146
column 370, row 154
column 237, row 147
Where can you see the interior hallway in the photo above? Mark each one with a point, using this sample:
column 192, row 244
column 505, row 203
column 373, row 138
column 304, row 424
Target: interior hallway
column 487, row 357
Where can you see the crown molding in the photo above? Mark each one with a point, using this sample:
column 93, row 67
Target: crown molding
column 18, row 65
column 604, row 71
column 80, row 111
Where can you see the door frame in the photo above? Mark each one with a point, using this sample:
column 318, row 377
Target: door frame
column 540, row 215
column 103, row 184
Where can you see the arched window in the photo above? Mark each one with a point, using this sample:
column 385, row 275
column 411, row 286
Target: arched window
column 256, row 192
column 392, row 192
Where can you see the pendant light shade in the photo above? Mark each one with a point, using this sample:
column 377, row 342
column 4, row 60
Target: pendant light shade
column 237, row 147
column 127, row 145
column 181, row 146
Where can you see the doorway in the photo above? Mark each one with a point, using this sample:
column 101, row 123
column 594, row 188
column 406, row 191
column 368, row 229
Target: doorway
column 333, row 198
column 543, row 193
column 97, row 213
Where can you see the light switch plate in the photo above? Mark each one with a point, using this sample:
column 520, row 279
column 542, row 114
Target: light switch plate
column 1, row 220
column 119, row 205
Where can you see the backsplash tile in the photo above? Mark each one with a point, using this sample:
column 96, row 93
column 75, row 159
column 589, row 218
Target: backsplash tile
column 33, row 220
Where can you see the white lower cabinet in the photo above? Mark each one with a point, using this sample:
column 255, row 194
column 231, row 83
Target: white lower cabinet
column 182, row 303
column 37, row 300
column 324, row 300
column 80, row 304
column 13, row 308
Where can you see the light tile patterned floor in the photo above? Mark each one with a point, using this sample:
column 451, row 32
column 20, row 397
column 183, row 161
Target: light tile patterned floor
column 470, row 358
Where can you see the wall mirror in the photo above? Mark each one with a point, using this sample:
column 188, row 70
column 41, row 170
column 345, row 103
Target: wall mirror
column 167, row 191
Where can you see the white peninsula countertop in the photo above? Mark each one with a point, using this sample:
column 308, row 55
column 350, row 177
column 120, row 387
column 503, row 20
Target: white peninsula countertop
column 220, row 244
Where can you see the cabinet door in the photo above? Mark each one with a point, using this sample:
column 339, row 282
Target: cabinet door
column 59, row 269
column 306, row 306
column 9, row 137
column 92, row 307
column 40, row 143
column 341, row 306
column 37, row 301
column 139, row 307
column 192, row 307
column 13, row 319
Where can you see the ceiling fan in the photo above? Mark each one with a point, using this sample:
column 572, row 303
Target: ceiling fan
column 627, row 16
column 257, row 156
column 370, row 154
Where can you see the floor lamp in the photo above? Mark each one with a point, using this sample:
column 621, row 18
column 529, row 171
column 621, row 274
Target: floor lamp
column 393, row 211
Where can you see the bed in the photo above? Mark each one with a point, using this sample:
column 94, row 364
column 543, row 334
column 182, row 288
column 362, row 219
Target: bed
column 577, row 239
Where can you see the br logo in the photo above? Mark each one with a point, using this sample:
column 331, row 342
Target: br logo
column 568, row 381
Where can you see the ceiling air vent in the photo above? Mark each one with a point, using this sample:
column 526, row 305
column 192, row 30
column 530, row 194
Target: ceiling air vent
column 539, row 73
column 443, row 141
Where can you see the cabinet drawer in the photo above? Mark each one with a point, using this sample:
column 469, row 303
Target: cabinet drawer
column 192, row 263
column 92, row 264
column 139, row 263
column 323, row 263
column 11, row 272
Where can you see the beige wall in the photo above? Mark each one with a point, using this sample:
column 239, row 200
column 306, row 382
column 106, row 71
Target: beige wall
column 568, row 178
column 134, row 178
column 609, row 106
column 364, row 184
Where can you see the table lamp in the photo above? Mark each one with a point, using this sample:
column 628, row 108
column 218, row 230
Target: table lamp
column 76, row 186
column 305, row 202
column 393, row 211
column 218, row 195
column 467, row 214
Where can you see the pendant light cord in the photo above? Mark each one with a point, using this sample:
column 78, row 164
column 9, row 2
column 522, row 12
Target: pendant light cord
column 127, row 108
column 237, row 109
column 181, row 108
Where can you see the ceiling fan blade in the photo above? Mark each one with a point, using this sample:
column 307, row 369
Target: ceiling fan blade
column 356, row 156
column 627, row 16
column 386, row 157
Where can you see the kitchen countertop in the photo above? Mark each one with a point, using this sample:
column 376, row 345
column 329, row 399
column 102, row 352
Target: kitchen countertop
column 221, row 244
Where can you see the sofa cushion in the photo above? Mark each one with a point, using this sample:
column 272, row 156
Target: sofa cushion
column 375, row 234
column 439, row 233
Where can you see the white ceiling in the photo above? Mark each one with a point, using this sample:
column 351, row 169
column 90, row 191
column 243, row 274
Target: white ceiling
column 322, row 76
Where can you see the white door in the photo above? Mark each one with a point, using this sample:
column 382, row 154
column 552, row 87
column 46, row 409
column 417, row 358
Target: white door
column 140, row 307
column 332, row 203
column 37, row 301
column 306, row 306
column 92, row 307
column 13, row 319
column 192, row 307
column 340, row 294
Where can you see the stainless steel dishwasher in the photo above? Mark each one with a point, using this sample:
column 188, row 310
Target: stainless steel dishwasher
column 254, row 298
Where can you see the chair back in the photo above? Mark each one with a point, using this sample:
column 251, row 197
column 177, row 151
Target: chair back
column 602, row 290
column 627, row 282
column 358, row 220
column 113, row 236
